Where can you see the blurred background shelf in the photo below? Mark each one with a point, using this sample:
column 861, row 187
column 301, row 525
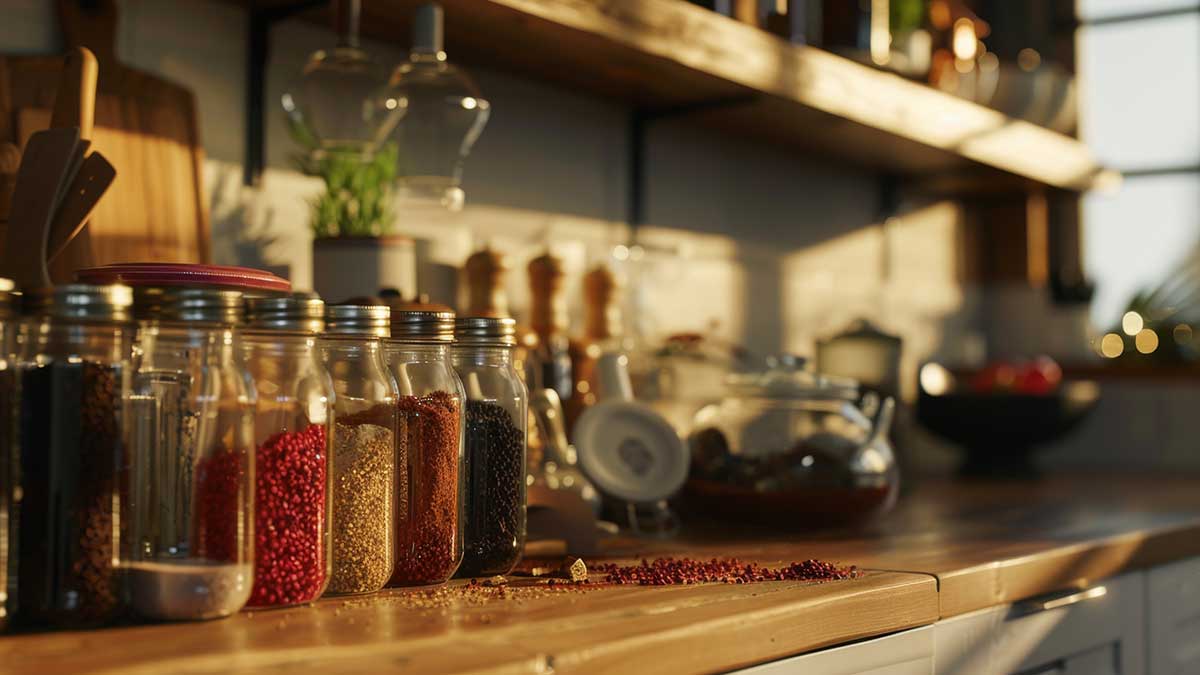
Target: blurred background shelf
column 670, row 56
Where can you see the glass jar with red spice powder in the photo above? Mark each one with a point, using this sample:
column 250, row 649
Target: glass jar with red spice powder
column 293, row 435
column 72, row 375
column 429, row 461
column 364, row 447
column 190, row 471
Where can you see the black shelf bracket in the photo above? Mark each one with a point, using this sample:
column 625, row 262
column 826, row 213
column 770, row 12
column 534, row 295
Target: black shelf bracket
column 640, row 119
column 259, row 39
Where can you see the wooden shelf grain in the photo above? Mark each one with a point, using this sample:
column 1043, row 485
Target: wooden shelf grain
column 662, row 54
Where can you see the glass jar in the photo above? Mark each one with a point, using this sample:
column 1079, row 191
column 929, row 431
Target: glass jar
column 191, row 473
column 429, row 505
column 786, row 447
column 364, row 448
column 73, row 377
column 497, row 407
column 8, row 460
column 293, row 435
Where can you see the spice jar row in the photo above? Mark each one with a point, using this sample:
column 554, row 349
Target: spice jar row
column 176, row 452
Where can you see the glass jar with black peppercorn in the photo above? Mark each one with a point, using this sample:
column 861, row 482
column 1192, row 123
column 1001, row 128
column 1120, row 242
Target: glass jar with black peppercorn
column 429, row 535
column 191, row 471
column 293, row 434
column 7, row 459
column 73, row 378
column 497, row 407
column 364, row 448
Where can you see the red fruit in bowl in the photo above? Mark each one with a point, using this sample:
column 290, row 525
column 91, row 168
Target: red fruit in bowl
column 995, row 377
column 1040, row 377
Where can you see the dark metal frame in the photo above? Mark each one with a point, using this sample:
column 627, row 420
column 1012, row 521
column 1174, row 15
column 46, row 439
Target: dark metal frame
column 259, row 46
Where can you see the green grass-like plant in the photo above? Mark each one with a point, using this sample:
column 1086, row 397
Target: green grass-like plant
column 357, row 201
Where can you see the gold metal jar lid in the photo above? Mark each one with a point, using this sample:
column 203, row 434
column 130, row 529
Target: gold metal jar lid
column 484, row 331
column 88, row 302
column 367, row 320
column 423, row 325
column 295, row 312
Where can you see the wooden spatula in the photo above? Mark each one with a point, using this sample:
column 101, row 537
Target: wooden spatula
column 75, row 106
column 80, row 199
column 44, row 167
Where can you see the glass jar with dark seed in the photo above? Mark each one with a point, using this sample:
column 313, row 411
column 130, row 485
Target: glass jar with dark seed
column 8, row 460
column 73, row 382
column 495, row 416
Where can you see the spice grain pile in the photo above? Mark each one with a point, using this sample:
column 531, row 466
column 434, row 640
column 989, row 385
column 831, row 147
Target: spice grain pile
column 427, row 544
column 363, row 461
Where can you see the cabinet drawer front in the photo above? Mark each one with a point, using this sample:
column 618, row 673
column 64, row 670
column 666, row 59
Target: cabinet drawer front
column 907, row 653
column 1173, row 602
column 1028, row 636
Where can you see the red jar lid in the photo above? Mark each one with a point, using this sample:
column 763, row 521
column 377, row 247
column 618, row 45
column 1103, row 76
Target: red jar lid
column 183, row 274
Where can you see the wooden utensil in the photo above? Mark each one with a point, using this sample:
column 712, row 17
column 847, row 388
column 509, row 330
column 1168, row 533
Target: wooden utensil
column 75, row 106
column 44, row 167
column 10, row 161
column 82, row 196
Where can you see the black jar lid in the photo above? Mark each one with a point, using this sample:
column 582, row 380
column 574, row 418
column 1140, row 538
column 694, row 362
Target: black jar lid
column 87, row 302
column 368, row 320
column 485, row 331
column 188, row 304
column 296, row 312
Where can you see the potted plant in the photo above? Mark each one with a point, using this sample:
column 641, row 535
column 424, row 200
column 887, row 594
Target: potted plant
column 355, row 251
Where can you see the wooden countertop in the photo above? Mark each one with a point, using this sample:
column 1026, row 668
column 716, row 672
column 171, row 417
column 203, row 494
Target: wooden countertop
column 950, row 548
column 992, row 543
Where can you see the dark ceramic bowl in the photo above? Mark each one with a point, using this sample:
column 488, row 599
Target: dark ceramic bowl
column 999, row 432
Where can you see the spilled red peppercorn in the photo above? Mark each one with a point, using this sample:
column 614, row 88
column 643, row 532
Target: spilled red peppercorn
column 673, row 571
column 289, row 518
column 428, row 543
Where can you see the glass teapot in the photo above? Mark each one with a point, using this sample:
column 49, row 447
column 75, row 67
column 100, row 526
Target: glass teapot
column 788, row 447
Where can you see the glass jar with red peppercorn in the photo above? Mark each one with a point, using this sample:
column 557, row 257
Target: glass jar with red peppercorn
column 497, row 407
column 293, row 433
column 364, row 447
column 190, row 475
column 429, row 504
column 73, row 378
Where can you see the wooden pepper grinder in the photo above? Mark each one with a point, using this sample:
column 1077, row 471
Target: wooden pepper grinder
column 486, row 271
column 549, row 365
column 601, row 330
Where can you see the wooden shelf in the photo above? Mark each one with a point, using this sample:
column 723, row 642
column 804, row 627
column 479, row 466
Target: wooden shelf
column 661, row 54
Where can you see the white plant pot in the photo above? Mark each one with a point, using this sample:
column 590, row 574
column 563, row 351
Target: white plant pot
column 346, row 267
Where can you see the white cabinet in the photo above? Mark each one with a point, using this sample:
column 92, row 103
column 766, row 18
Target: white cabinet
column 1099, row 630
column 1173, row 607
column 907, row 653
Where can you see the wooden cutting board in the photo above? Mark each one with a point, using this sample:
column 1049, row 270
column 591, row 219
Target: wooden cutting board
column 145, row 125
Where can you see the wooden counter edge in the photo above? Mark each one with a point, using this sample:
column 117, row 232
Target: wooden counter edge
column 1075, row 565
